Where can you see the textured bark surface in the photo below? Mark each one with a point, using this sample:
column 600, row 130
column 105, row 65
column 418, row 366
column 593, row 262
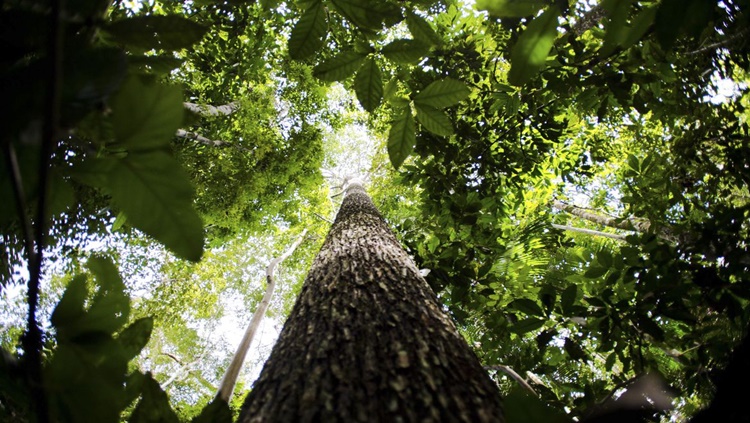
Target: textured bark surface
column 368, row 341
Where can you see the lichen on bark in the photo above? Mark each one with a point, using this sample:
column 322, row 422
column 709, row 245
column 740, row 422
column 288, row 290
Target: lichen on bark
column 368, row 341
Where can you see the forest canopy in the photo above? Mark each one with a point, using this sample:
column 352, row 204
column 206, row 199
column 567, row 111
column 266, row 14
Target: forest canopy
column 572, row 177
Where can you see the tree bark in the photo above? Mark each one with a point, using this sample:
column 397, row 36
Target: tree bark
column 368, row 341
column 208, row 110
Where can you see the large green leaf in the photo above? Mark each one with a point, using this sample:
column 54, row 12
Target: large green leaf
column 134, row 337
column 309, row 33
column 156, row 196
column 421, row 30
column 442, row 93
column 530, row 52
column 434, row 120
column 340, row 66
column 511, row 8
column 368, row 85
column 145, row 116
column 401, row 137
column 154, row 405
column 368, row 14
column 527, row 325
column 522, row 407
column 170, row 32
column 405, row 51
column 527, row 306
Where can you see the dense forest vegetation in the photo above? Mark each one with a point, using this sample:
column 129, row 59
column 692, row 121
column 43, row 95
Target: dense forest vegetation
column 572, row 176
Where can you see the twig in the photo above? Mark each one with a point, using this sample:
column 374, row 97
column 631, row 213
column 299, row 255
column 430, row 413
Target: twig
column 618, row 237
column 20, row 197
column 322, row 218
column 515, row 376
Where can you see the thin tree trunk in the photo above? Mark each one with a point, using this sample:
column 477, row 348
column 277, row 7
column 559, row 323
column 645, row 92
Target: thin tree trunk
column 230, row 378
column 208, row 110
column 181, row 133
column 368, row 341
column 618, row 237
column 632, row 224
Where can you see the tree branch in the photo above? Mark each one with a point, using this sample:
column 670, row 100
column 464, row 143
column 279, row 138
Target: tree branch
column 230, row 378
column 181, row 133
column 208, row 110
column 618, row 237
column 515, row 376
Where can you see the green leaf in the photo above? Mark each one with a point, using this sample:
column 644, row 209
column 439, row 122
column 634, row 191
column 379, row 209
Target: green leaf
column 70, row 307
column 368, row 14
column 217, row 411
column 146, row 116
column 527, row 306
column 522, row 407
column 158, row 65
column 170, row 32
column 401, row 137
column 527, row 325
column 110, row 306
column 309, row 33
column 605, row 258
column 154, row 405
column 134, row 337
column 511, row 8
column 574, row 350
column 530, row 52
column 339, row 67
column 434, row 120
column 421, row 30
column 442, row 93
column 155, row 194
column 368, row 85
column 641, row 24
column 568, row 298
column 405, row 51
column 617, row 29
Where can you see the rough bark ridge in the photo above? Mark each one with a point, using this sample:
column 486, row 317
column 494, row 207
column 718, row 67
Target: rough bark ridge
column 367, row 340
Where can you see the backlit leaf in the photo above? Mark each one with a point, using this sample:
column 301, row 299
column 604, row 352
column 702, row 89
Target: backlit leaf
column 405, row 51
column 309, row 33
column 434, row 120
column 156, row 195
column 530, row 52
column 339, row 67
column 368, row 85
column 442, row 93
column 527, row 306
column 421, row 30
column 401, row 138
column 145, row 116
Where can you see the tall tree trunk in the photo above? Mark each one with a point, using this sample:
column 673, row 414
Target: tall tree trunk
column 368, row 340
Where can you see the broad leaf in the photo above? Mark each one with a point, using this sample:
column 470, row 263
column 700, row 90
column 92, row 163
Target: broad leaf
column 434, row 120
column 339, row 67
column 401, row 137
column 442, row 93
column 146, row 116
column 110, row 306
column 309, row 33
column 156, row 196
column 368, row 85
column 421, row 30
column 368, row 14
column 154, row 405
column 70, row 308
column 217, row 411
column 405, row 51
column 530, row 52
column 511, row 8
column 170, row 32
column 527, row 325
column 134, row 337
column 527, row 306
column 521, row 407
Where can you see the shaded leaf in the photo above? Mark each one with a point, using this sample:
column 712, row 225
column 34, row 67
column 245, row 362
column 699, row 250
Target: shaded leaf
column 368, row 85
column 339, row 67
column 405, row 51
column 70, row 307
column 309, row 33
column 527, row 325
column 511, row 8
column 217, row 411
column 530, row 52
column 522, row 407
column 170, row 32
column 154, row 405
column 442, row 93
column 401, row 137
column 434, row 120
column 527, row 306
column 134, row 337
